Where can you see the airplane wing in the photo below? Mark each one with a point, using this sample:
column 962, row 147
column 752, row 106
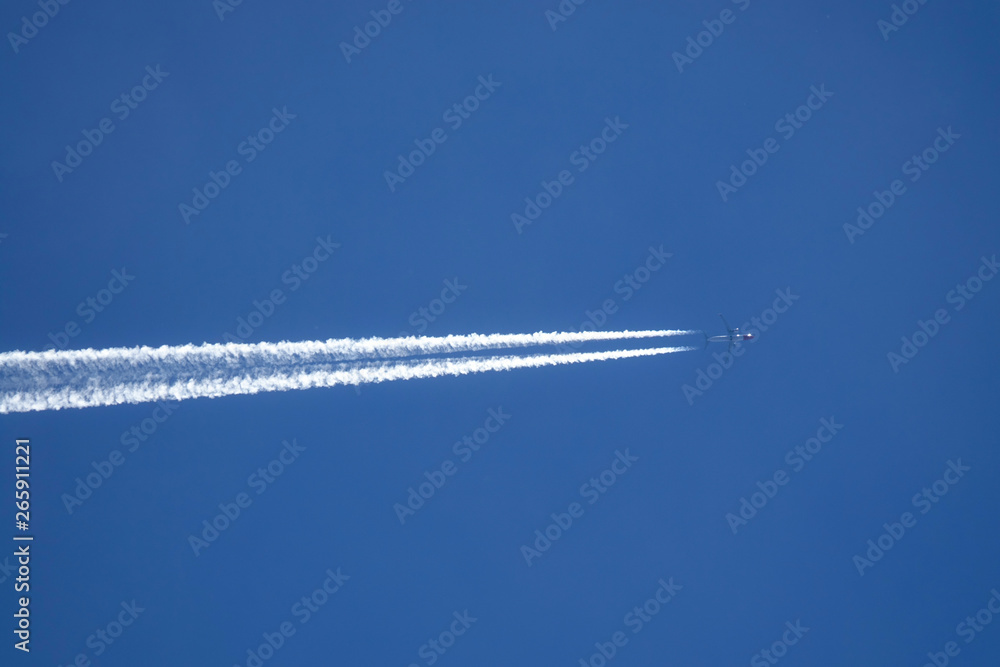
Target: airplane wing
column 728, row 328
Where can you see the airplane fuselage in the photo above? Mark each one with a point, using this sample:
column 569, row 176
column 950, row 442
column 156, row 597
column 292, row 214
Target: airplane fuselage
column 735, row 338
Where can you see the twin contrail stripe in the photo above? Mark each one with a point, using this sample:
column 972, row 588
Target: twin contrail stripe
column 54, row 380
column 341, row 348
column 139, row 390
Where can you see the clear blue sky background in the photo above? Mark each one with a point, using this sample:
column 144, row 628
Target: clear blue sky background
column 825, row 357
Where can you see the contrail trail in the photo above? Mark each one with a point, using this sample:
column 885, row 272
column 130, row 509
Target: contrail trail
column 324, row 375
column 342, row 348
column 82, row 378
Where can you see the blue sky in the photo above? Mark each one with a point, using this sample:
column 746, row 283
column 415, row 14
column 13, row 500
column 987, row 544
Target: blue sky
column 352, row 455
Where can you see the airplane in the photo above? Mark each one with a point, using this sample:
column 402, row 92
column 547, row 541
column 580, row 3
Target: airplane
column 733, row 337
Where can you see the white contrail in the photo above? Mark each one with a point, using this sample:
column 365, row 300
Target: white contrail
column 99, row 391
column 306, row 351
column 25, row 371
column 76, row 378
